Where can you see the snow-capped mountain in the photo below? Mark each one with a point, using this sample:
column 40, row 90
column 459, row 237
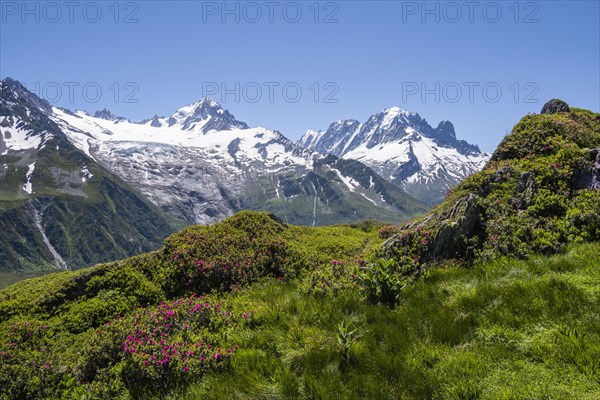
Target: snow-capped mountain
column 201, row 164
column 202, row 116
column 403, row 148
column 197, row 173
column 58, row 207
column 82, row 186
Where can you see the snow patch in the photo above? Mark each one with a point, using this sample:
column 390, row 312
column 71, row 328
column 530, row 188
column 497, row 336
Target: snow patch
column 19, row 139
column 28, row 186
column 85, row 174
column 349, row 182
column 368, row 198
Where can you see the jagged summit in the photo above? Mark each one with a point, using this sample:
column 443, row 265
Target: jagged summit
column 14, row 93
column 446, row 129
column 107, row 115
column 403, row 148
column 202, row 116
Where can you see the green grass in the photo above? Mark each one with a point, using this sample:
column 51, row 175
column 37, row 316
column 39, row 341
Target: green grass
column 497, row 330
column 500, row 322
column 504, row 330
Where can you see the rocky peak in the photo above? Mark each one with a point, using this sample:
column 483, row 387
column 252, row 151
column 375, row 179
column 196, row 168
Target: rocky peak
column 105, row 114
column 445, row 129
column 206, row 115
column 555, row 105
column 12, row 91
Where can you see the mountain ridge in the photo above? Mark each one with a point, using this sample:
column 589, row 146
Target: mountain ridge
column 51, row 193
column 402, row 147
column 180, row 170
column 239, row 167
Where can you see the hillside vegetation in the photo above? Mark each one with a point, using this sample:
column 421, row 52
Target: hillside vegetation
column 466, row 302
column 538, row 193
column 148, row 327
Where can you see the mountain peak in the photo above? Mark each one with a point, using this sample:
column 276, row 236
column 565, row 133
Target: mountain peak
column 13, row 91
column 209, row 102
column 342, row 124
column 205, row 115
column 8, row 81
column 107, row 115
column 203, row 105
column 445, row 128
column 395, row 111
column 402, row 147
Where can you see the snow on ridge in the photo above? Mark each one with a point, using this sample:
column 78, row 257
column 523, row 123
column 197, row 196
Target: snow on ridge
column 19, row 139
column 351, row 139
column 348, row 181
column 254, row 144
column 103, row 130
column 396, row 152
column 188, row 110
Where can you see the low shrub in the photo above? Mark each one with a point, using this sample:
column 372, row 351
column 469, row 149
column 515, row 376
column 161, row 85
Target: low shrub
column 382, row 281
column 388, row 231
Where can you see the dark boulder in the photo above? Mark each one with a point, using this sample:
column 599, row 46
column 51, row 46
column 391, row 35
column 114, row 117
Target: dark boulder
column 555, row 106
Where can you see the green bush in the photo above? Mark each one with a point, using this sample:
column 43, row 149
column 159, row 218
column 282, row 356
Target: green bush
column 388, row 231
column 381, row 282
column 334, row 278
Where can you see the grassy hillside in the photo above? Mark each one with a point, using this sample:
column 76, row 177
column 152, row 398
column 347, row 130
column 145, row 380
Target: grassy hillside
column 41, row 319
column 253, row 308
column 510, row 329
column 113, row 222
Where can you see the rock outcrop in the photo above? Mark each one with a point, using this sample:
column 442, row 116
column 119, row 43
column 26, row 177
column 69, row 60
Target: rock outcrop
column 452, row 231
column 554, row 106
column 588, row 176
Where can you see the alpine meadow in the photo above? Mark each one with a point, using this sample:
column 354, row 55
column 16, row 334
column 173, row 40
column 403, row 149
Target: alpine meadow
column 199, row 237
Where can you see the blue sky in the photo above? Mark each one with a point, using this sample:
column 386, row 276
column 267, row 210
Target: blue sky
column 350, row 59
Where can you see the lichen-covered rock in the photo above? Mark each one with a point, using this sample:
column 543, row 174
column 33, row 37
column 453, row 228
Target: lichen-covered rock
column 456, row 231
column 449, row 234
column 525, row 190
